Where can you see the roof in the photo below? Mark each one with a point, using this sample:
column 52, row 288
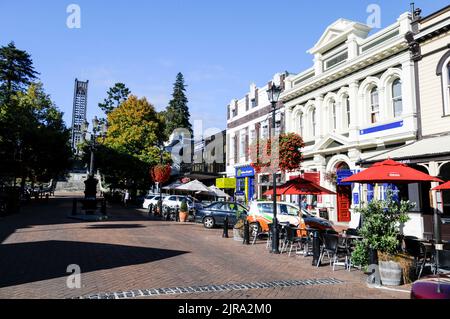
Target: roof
column 427, row 147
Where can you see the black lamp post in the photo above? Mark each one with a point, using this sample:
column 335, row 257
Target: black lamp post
column 274, row 94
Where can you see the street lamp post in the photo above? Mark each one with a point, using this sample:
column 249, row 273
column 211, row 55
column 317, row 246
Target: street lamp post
column 274, row 94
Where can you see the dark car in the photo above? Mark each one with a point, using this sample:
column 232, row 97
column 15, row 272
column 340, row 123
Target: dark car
column 214, row 214
column 316, row 222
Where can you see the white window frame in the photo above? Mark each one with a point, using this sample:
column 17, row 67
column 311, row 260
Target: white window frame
column 395, row 99
column 313, row 122
column 347, row 110
column 372, row 105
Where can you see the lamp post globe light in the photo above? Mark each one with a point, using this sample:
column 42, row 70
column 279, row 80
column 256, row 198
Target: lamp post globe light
column 273, row 93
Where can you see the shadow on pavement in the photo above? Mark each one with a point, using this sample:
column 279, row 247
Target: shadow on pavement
column 36, row 261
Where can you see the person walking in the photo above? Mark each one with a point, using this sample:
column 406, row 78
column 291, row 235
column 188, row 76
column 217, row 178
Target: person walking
column 126, row 198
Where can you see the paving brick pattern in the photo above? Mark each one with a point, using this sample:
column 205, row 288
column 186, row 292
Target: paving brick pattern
column 131, row 252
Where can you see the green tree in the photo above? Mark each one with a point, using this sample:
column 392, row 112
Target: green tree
column 130, row 147
column 16, row 71
column 35, row 141
column 116, row 96
column 177, row 113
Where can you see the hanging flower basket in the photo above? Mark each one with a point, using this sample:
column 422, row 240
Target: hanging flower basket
column 160, row 173
column 331, row 177
column 287, row 154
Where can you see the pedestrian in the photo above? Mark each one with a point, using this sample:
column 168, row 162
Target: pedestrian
column 304, row 203
column 126, row 198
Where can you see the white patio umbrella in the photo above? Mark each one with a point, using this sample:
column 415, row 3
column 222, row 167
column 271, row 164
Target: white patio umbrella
column 219, row 192
column 195, row 187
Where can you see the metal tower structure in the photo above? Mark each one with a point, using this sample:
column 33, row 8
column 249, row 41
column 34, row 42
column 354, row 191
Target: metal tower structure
column 79, row 113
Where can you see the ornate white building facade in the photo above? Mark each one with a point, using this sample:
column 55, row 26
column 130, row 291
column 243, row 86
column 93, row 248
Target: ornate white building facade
column 358, row 100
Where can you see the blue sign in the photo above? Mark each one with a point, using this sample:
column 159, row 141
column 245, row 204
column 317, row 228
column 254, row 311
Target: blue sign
column 380, row 128
column 245, row 172
column 343, row 174
column 356, row 198
column 240, row 193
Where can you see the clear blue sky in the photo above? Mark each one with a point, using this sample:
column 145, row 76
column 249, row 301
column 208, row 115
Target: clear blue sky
column 221, row 46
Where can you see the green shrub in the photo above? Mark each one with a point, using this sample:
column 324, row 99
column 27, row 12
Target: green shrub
column 184, row 207
column 381, row 227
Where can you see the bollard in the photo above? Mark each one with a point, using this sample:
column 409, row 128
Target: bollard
column 177, row 215
column 246, row 233
column 225, row 228
column 167, row 215
column 74, row 207
column 47, row 197
column 150, row 210
column 316, row 247
column 103, row 207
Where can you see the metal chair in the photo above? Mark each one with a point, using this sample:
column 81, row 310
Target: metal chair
column 333, row 250
column 417, row 250
column 291, row 240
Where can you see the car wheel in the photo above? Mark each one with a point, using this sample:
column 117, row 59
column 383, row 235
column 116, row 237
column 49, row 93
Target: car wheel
column 208, row 222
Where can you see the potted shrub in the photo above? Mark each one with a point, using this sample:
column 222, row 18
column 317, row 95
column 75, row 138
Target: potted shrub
column 381, row 233
column 184, row 212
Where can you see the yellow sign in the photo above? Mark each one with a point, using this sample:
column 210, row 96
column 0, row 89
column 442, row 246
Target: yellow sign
column 226, row 183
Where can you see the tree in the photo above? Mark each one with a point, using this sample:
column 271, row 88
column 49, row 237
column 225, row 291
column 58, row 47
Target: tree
column 134, row 132
column 116, row 96
column 177, row 113
column 34, row 141
column 16, row 71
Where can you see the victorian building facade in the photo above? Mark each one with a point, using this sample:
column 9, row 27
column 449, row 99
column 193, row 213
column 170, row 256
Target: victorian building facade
column 248, row 120
column 357, row 101
column 430, row 49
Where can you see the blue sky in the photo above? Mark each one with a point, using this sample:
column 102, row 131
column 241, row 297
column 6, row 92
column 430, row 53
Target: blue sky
column 221, row 46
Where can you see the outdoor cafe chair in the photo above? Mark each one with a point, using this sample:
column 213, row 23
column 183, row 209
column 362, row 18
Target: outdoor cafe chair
column 291, row 239
column 333, row 251
column 417, row 250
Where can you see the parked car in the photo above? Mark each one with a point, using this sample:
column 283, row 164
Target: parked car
column 214, row 214
column 174, row 201
column 147, row 201
column 261, row 215
column 153, row 200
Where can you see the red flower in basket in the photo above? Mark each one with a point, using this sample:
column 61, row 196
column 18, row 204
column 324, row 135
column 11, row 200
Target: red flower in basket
column 160, row 173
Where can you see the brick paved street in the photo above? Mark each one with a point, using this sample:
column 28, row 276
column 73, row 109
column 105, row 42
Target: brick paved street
column 131, row 252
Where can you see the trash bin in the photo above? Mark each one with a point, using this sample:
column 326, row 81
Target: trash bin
column 323, row 213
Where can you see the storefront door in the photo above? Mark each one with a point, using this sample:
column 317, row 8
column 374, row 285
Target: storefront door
column 344, row 194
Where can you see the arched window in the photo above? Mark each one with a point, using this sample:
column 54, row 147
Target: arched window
column 313, row 122
column 443, row 70
column 300, row 124
column 347, row 111
column 334, row 114
column 374, row 105
column 397, row 100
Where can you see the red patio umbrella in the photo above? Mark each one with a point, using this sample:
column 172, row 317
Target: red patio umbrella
column 300, row 186
column 390, row 171
column 442, row 187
